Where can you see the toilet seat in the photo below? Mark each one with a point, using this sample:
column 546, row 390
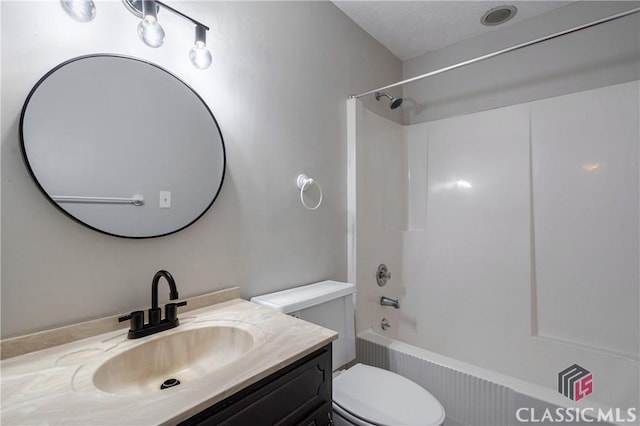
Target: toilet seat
column 340, row 413
column 366, row 395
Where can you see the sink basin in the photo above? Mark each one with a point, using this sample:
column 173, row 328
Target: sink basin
column 184, row 355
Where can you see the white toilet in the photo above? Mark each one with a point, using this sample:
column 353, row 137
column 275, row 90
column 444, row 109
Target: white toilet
column 362, row 395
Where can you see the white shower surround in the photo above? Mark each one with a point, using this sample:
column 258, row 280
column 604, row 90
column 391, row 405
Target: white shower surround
column 472, row 241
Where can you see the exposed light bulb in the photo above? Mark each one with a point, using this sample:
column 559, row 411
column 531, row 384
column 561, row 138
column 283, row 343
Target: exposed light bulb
column 149, row 29
column 151, row 32
column 80, row 10
column 200, row 56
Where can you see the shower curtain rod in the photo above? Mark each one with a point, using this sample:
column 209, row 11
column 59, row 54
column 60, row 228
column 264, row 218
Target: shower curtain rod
column 501, row 52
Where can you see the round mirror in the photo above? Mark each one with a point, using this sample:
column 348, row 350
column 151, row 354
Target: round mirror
column 122, row 146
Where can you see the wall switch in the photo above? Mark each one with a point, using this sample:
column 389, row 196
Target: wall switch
column 165, row 199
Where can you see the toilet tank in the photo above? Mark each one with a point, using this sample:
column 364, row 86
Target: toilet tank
column 328, row 304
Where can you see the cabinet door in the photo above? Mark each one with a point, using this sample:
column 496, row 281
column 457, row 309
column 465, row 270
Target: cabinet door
column 295, row 395
column 323, row 416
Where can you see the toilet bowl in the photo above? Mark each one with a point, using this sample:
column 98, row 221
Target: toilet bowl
column 362, row 395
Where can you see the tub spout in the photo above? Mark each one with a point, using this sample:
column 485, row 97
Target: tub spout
column 385, row 301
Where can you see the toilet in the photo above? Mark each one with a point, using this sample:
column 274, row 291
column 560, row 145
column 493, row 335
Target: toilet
column 362, row 395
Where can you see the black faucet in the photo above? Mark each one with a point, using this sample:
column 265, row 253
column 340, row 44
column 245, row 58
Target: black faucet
column 156, row 324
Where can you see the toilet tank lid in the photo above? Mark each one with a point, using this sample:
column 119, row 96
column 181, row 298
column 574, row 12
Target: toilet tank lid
column 303, row 297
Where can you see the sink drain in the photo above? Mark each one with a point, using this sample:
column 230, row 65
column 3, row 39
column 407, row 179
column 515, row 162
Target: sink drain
column 169, row 383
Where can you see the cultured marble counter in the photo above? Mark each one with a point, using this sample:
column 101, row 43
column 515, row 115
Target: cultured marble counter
column 55, row 386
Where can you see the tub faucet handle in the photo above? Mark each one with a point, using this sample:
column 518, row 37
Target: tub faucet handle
column 382, row 274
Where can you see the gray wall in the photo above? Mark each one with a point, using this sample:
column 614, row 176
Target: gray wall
column 278, row 85
column 596, row 57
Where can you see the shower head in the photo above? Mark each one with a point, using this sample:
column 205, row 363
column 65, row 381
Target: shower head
column 395, row 102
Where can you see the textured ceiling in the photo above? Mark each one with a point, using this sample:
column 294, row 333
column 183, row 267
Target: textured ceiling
column 412, row 28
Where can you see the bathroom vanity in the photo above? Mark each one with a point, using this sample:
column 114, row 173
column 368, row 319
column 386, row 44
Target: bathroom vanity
column 238, row 363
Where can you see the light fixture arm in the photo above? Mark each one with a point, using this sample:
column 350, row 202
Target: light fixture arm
column 135, row 7
column 182, row 15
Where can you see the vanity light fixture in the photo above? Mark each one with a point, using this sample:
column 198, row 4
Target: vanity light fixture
column 149, row 29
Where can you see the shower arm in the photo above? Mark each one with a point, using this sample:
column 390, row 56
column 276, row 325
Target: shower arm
column 501, row 52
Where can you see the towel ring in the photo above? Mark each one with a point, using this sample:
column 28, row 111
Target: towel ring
column 304, row 183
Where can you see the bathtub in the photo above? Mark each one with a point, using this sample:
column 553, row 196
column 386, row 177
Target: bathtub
column 480, row 397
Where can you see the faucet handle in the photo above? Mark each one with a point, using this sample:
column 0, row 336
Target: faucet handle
column 171, row 310
column 137, row 320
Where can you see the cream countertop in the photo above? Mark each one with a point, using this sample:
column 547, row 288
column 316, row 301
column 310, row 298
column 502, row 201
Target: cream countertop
column 55, row 385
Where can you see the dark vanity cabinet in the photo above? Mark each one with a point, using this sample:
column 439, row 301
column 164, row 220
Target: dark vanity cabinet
column 299, row 394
